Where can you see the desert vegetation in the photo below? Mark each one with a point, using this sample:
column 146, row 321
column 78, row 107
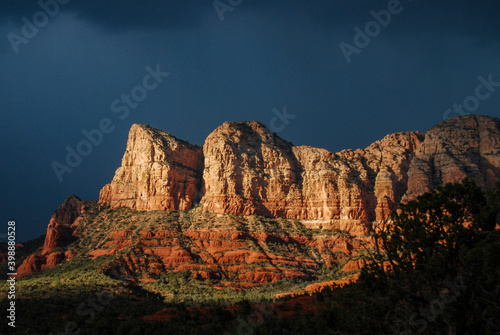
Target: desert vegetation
column 433, row 268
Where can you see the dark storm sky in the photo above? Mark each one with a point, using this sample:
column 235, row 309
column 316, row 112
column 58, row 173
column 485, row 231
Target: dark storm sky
column 263, row 56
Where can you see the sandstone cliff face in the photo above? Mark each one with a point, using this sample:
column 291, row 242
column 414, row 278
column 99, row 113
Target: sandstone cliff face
column 244, row 168
column 249, row 170
column 60, row 233
column 60, row 230
column 158, row 172
column 454, row 149
column 357, row 187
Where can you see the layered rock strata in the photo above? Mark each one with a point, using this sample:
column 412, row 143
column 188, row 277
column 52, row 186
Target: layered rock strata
column 158, row 171
column 60, row 233
column 243, row 168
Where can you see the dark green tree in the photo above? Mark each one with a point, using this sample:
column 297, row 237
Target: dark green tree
column 428, row 234
column 442, row 250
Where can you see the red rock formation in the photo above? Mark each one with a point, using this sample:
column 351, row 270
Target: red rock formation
column 243, row 168
column 247, row 170
column 158, row 172
column 60, row 233
column 31, row 264
column 219, row 253
column 318, row 287
column 250, row 170
column 461, row 147
column 60, row 230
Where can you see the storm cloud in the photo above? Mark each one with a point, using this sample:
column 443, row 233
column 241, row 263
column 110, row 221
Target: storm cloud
column 227, row 61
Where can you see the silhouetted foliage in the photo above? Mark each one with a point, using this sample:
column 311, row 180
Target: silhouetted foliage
column 441, row 250
column 435, row 270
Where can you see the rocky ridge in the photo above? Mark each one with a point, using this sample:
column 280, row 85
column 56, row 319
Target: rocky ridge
column 243, row 168
column 319, row 205
column 60, row 233
column 158, row 172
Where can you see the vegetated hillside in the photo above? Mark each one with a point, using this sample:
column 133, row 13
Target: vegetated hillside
column 248, row 216
column 216, row 250
column 431, row 274
column 320, row 205
column 123, row 265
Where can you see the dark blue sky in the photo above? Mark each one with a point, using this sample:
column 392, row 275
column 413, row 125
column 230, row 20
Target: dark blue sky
column 264, row 55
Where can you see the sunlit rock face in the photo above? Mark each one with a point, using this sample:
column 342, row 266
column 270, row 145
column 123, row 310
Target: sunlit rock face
column 60, row 233
column 244, row 168
column 467, row 146
column 158, row 172
column 250, row 170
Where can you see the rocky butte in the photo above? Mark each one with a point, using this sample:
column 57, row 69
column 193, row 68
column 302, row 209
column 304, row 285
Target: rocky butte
column 244, row 170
